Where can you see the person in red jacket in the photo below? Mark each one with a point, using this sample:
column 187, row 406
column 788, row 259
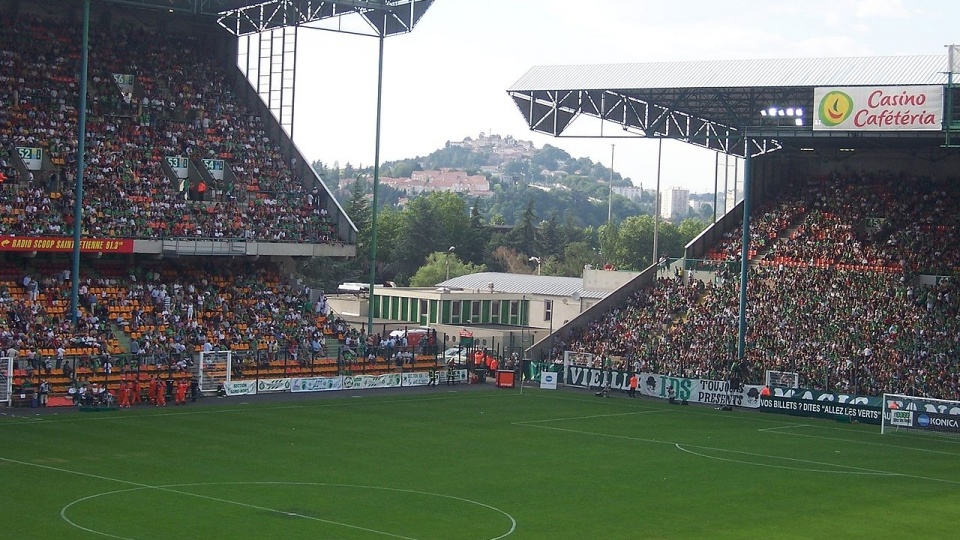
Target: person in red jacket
column 182, row 392
column 160, row 392
column 123, row 395
column 135, row 390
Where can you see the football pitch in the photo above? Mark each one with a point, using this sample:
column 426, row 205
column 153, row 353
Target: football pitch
column 467, row 463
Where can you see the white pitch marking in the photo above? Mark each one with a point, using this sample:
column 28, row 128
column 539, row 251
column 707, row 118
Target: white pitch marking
column 169, row 490
column 857, row 470
column 674, row 443
column 839, row 439
column 526, row 422
column 217, row 410
column 138, row 485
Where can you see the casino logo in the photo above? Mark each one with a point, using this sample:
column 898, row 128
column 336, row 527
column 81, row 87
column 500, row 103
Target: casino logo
column 923, row 420
column 835, row 108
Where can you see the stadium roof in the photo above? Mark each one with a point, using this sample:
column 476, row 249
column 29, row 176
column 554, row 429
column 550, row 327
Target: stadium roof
column 809, row 72
column 715, row 104
column 523, row 284
column 242, row 17
column 196, row 7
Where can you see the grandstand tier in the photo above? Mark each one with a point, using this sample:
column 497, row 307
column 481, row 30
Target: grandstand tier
column 181, row 156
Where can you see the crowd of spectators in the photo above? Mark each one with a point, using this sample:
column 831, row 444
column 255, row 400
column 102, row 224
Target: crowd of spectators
column 839, row 299
column 166, row 312
column 182, row 105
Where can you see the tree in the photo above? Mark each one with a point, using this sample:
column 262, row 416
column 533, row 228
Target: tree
column 511, row 261
column 551, row 240
column 576, row 255
column 690, row 228
column 434, row 269
column 523, row 237
column 432, row 223
column 607, row 236
column 404, row 169
column 634, row 243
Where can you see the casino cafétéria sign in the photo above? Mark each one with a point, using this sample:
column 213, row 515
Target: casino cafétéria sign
column 879, row 108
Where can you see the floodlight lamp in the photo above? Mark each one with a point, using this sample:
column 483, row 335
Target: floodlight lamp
column 772, row 111
column 780, row 112
column 798, row 111
column 799, row 121
column 789, row 111
column 763, row 112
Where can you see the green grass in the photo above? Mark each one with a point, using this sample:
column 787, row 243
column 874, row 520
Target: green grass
column 470, row 465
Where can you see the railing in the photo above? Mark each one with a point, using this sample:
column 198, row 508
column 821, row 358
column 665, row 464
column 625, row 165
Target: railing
column 204, row 246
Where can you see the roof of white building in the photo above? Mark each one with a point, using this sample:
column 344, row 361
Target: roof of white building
column 523, row 284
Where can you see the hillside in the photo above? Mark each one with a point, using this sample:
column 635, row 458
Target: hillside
column 514, row 173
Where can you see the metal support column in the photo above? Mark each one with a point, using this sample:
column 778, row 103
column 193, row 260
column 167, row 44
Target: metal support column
column 716, row 177
column 745, row 255
column 81, row 143
column 656, row 205
column 376, row 189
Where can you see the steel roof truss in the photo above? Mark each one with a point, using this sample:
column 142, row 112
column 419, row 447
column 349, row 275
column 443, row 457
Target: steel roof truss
column 386, row 18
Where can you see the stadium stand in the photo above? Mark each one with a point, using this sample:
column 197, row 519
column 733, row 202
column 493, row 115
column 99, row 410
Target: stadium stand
column 834, row 296
column 140, row 315
column 157, row 317
column 180, row 108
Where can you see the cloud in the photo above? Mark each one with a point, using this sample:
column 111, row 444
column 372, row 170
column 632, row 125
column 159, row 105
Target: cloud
column 888, row 9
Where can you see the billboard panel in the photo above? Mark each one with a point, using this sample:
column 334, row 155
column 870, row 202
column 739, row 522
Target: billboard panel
column 878, row 108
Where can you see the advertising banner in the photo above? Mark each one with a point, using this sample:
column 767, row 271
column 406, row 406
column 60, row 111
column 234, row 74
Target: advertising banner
column 548, row 380
column 816, row 404
column 266, row 386
column 240, row 388
column 63, row 244
column 360, row 382
column 878, row 108
column 316, row 384
column 416, row 378
column 656, row 385
column 458, row 375
column 937, row 422
column 32, row 157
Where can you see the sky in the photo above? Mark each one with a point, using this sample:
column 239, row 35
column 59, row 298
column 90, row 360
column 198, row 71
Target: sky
column 447, row 79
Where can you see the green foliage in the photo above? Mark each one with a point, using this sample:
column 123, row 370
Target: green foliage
column 455, row 157
column 431, row 223
column 434, row 270
column 562, row 220
column 402, row 169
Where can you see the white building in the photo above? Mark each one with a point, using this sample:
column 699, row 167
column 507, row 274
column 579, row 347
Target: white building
column 634, row 193
column 496, row 309
column 675, row 202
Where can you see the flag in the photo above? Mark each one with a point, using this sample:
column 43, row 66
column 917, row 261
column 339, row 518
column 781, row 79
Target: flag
column 954, row 58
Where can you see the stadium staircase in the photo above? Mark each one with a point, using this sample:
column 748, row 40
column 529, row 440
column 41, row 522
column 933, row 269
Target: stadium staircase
column 123, row 339
column 786, row 233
